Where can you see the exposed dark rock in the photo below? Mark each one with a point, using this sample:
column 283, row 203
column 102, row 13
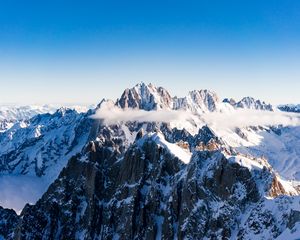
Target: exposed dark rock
column 8, row 221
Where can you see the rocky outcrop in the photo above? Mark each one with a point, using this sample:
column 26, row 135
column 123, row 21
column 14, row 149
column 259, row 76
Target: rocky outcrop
column 8, row 222
column 276, row 188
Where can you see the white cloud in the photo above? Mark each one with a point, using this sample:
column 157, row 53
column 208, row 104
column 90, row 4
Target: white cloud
column 247, row 117
column 113, row 115
column 220, row 120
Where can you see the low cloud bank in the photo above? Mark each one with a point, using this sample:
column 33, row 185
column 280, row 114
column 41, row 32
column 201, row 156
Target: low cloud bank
column 115, row 115
column 246, row 117
column 230, row 119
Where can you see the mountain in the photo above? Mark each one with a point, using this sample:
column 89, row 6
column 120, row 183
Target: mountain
column 23, row 112
column 279, row 145
column 249, row 103
column 149, row 97
column 156, row 189
column 8, row 221
column 290, row 108
column 198, row 101
column 35, row 151
column 49, row 135
column 6, row 124
column 146, row 97
column 179, row 179
column 11, row 114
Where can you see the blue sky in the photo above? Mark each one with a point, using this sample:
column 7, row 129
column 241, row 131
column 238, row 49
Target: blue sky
column 82, row 51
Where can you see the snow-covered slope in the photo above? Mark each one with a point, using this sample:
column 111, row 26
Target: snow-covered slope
column 279, row 145
column 182, row 154
column 39, row 148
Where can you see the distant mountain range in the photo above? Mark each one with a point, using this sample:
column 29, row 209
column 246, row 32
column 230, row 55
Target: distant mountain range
column 11, row 114
column 290, row 108
column 83, row 178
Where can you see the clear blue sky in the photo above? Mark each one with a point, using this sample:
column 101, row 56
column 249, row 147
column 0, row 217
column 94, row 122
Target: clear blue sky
column 82, row 51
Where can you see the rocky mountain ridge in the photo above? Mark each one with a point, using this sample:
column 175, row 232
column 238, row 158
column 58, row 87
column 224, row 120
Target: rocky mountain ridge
column 149, row 97
column 11, row 114
column 290, row 108
column 249, row 103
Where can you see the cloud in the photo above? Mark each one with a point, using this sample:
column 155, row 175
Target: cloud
column 113, row 115
column 229, row 119
column 247, row 117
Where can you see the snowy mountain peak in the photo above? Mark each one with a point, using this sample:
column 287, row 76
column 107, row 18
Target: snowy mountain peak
column 14, row 113
column 147, row 97
column 105, row 102
column 62, row 111
column 231, row 101
column 249, row 103
column 289, row 108
column 198, row 101
column 11, row 114
column 208, row 98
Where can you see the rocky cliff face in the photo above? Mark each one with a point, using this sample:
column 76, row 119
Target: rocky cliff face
column 8, row 222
